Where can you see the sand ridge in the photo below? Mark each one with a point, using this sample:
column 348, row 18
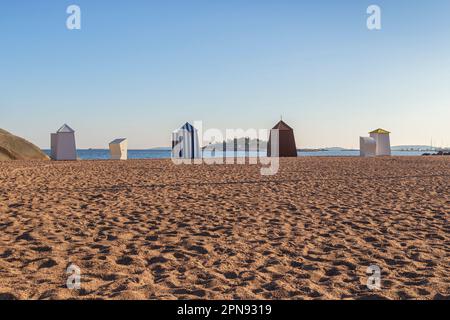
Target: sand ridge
column 147, row 229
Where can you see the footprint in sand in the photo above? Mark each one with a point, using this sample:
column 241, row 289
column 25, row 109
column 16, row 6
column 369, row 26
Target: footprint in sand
column 42, row 249
column 25, row 236
column 7, row 296
column 371, row 297
column 230, row 275
column 125, row 261
column 47, row 264
column 108, row 277
column 156, row 260
column 152, row 238
column 333, row 272
column 6, row 254
column 247, row 276
column 196, row 292
column 348, row 264
column 198, row 249
column 272, row 286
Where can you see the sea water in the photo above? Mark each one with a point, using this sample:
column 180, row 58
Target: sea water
column 103, row 154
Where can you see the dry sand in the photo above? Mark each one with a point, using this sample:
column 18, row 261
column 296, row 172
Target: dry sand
column 147, row 229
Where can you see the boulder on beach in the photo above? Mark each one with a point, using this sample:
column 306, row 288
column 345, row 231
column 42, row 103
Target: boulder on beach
column 16, row 148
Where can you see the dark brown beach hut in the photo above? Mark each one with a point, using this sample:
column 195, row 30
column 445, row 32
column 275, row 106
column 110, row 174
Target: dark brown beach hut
column 286, row 144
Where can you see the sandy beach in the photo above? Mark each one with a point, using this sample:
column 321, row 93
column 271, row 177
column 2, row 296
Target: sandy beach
column 147, row 229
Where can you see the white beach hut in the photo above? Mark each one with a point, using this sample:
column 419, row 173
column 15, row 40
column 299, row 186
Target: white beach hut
column 118, row 149
column 367, row 147
column 185, row 144
column 383, row 142
column 63, row 144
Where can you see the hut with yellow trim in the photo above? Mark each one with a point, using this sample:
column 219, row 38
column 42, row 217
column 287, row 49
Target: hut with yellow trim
column 382, row 141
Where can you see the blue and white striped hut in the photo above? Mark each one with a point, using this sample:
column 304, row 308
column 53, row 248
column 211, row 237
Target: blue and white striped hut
column 185, row 143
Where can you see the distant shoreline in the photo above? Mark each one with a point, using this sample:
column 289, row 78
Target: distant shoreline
column 163, row 149
column 103, row 154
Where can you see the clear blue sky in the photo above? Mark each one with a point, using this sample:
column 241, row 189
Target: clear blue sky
column 140, row 69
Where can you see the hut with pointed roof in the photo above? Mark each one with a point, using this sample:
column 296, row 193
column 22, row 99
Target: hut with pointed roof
column 383, row 142
column 285, row 146
column 63, row 147
column 185, row 143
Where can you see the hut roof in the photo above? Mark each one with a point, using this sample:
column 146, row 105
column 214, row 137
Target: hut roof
column 188, row 127
column 118, row 141
column 282, row 126
column 65, row 128
column 380, row 131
